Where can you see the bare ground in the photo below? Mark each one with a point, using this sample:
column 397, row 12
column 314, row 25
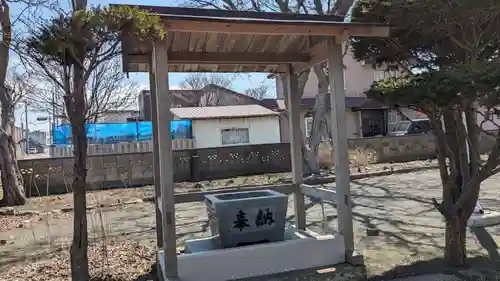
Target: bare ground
column 410, row 239
column 113, row 196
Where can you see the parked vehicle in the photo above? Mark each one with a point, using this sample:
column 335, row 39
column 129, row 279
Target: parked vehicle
column 411, row 127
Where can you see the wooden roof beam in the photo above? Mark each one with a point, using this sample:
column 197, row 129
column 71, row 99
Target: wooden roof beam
column 228, row 58
column 255, row 28
column 318, row 53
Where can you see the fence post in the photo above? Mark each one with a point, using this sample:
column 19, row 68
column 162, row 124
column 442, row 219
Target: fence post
column 195, row 166
column 137, row 131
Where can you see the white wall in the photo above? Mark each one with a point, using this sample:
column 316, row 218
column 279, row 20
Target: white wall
column 357, row 79
column 493, row 122
column 353, row 123
column 262, row 130
column 38, row 136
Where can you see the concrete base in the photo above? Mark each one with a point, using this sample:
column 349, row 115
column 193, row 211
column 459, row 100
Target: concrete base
column 484, row 220
column 355, row 258
column 300, row 250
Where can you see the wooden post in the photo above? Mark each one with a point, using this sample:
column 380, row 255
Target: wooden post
column 293, row 102
column 341, row 156
column 165, row 158
column 156, row 159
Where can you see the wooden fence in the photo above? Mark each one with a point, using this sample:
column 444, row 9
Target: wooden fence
column 120, row 148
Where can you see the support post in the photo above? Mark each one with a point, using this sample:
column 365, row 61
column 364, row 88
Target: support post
column 341, row 156
column 156, row 154
column 160, row 65
column 293, row 102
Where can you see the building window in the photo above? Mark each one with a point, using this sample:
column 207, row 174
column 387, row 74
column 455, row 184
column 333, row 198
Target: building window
column 378, row 75
column 308, row 126
column 384, row 74
column 497, row 113
column 235, row 136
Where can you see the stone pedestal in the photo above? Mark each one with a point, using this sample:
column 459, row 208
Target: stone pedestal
column 244, row 218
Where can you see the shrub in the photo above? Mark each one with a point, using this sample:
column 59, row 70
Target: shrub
column 324, row 157
column 362, row 157
column 358, row 157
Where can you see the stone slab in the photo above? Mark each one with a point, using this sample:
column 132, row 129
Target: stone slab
column 261, row 259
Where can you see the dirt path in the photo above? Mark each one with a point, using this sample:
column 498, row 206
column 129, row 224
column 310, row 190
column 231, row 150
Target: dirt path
column 398, row 205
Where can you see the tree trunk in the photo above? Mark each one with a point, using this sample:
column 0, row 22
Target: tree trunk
column 458, row 177
column 79, row 259
column 12, row 180
column 320, row 115
column 76, row 109
column 307, row 156
column 455, row 249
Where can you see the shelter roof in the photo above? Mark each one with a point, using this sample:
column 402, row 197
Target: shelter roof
column 202, row 40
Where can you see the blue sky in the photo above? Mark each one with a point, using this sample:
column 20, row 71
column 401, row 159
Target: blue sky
column 241, row 83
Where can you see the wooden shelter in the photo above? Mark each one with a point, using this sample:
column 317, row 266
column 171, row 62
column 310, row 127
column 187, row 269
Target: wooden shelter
column 200, row 40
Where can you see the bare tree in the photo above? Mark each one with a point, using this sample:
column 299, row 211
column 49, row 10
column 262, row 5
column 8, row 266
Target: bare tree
column 455, row 47
column 258, row 92
column 320, row 112
column 14, row 90
column 197, row 81
column 70, row 49
column 108, row 88
column 10, row 94
column 12, row 181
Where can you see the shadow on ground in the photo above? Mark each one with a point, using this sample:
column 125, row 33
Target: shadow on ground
column 152, row 275
column 478, row 268
column 148, row 276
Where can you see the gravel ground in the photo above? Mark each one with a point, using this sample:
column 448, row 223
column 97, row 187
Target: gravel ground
column 410, row 236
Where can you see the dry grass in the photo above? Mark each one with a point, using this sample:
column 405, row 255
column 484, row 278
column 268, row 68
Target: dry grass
column 358, row 158
column 106, row 256
column 361, row 158
column 324, row 157
column 111, row 260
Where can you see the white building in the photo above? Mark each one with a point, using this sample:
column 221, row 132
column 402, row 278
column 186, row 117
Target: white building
column 362, row 113
column 38, row 136
column 216, row 126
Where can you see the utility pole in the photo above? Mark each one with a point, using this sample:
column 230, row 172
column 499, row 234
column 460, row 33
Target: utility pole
column 26, row 132
column 52, row 121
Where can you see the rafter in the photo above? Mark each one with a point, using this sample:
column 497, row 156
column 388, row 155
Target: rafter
column 227, row 58
column 249, row 27
column 318, row 53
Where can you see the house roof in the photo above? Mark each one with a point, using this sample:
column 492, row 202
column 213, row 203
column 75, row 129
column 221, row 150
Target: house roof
column 308, row 103
column 113, row 111
column 191, row 98
column 203, row 40
column 216, row 112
